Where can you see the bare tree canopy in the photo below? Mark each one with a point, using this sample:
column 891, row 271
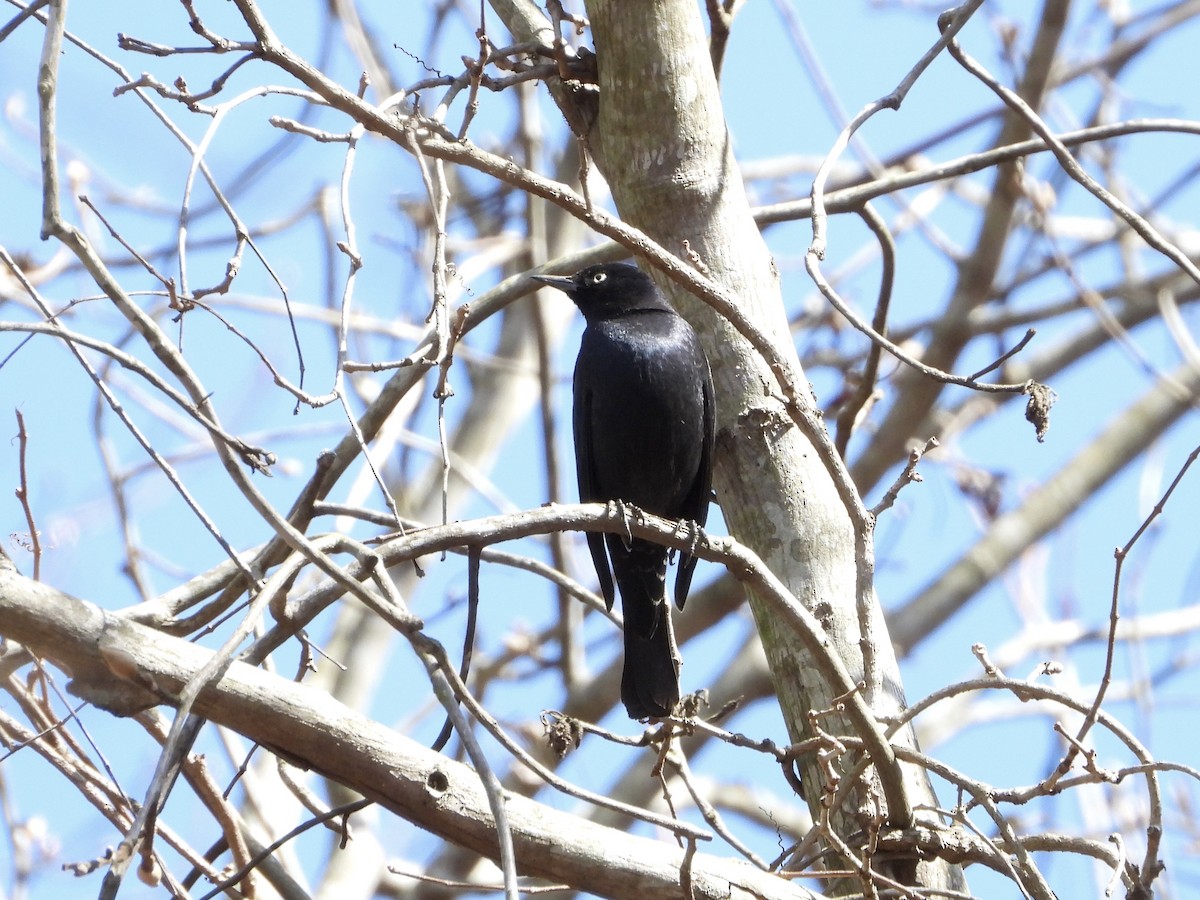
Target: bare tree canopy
column 297, row 600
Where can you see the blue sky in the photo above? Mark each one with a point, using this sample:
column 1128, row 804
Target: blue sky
column 773, row 109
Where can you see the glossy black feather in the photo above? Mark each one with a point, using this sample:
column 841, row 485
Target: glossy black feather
column 644, row 430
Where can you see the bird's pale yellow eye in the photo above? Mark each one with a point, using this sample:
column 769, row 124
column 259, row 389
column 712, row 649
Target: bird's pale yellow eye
column 599, row 277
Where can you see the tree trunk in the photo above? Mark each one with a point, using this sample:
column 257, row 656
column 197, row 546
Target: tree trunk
column 662, row 143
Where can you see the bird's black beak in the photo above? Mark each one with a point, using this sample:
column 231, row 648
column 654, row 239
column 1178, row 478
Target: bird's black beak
column 562, row 282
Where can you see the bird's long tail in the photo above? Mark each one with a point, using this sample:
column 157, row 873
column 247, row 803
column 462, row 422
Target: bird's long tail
column 650, row 680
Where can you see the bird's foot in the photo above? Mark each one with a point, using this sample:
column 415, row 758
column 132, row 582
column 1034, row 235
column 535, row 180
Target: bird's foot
column 626, row 511
column 693, row 531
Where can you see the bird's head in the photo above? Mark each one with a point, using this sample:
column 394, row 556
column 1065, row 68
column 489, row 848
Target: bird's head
column 607, row 289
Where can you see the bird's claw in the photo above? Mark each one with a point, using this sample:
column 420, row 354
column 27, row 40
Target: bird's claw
column 624, row 511
column 693, row 530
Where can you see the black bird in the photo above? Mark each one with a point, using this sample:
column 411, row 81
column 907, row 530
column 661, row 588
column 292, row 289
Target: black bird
column 644, row 429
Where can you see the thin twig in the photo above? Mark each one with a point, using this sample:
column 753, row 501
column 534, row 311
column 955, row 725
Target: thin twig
column 481, row 715
column 1148, row 232
column 908, row 475
column 22, row 492
column 1005, row 357
column 813, row 266
column 345, row 809
column 436, row 666
column 956, row 19
column 847, row 416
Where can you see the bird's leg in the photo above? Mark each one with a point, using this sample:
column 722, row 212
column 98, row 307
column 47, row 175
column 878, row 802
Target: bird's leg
column 693, row 530
column 624, row 512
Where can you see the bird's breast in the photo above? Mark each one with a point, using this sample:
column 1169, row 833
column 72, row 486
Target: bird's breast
column 644, row 387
